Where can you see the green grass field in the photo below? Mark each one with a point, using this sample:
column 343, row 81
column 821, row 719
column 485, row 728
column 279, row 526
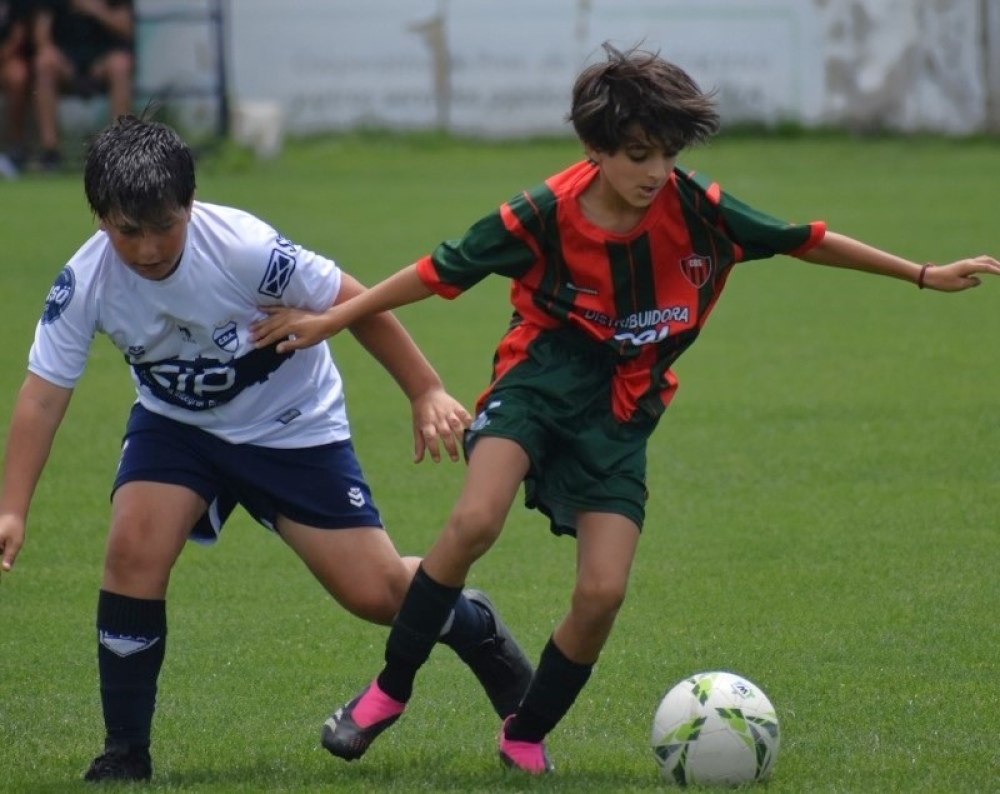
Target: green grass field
column 822, row 515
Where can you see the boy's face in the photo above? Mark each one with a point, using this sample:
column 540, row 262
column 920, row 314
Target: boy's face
column 151, row 250
column 636, row 173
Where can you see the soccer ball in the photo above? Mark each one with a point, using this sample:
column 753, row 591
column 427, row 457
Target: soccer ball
column 715, row 729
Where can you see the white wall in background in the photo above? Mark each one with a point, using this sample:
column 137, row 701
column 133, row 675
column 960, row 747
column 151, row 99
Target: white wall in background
column 505, row 67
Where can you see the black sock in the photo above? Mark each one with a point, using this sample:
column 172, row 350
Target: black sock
column 131, row 640
column 416, row 629
column 555, row 687
column 470, row 626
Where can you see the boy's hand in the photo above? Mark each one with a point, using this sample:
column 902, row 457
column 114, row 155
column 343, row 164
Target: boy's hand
column 11, row 540
column 291, row 329
column 960, row 275
column 437, row 416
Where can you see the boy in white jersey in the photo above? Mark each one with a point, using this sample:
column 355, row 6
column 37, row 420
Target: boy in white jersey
column 175, row 284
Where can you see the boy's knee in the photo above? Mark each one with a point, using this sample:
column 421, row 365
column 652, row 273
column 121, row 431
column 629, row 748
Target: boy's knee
column 378, row 603
column 599, row 597
column 476, row 527
column 48, row 62
column 130, row 568
column 118, row 67
column 14, row 75
column 126, row 550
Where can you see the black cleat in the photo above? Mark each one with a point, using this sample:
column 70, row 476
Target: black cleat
column 344, row 738
column 498, row 662
column 119, row 764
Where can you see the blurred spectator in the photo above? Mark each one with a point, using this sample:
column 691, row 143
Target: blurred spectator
column 15, row 73
column 82, row 47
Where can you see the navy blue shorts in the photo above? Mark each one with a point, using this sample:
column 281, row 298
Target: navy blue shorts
column 320, row 486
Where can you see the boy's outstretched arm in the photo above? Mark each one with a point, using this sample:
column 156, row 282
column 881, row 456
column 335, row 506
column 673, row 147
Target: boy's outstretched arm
column 293, row 329
column 437, row 416
column 838, row 250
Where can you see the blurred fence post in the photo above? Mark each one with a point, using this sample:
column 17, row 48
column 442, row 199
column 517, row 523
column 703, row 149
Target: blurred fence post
column 990, row 15
column 205, row 76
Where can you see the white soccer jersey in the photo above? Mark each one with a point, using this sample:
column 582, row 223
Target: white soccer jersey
column 186, row 338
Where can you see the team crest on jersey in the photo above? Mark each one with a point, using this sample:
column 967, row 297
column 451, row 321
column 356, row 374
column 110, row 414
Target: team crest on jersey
column 59, row 296
column 226, row 337
column 278, row 274
column 697, row 269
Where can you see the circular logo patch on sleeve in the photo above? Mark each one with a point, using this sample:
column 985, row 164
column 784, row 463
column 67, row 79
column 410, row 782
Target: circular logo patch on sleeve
column 59, row 296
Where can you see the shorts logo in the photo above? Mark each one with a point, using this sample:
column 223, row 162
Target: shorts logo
column 121, row 458
column 355, row 497
column 226, row 337
column 59, row 296
column 697, row 269
column 483, row 420
column 278, row 274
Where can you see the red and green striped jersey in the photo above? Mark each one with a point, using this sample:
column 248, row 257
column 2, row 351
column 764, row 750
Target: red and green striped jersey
column 645, row 295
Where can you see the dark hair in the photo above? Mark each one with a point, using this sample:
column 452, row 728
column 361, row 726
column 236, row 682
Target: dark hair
column 139, row 170
column 638, row 87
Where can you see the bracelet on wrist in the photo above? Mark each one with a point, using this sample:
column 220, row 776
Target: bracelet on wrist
column 921, row 275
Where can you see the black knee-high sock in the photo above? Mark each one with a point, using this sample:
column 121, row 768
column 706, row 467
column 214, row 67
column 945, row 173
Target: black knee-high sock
column 467, row 627
column 131, row 640
column 555, row 687
column 415, row 630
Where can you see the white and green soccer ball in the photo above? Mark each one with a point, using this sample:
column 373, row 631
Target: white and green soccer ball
column 715, row 729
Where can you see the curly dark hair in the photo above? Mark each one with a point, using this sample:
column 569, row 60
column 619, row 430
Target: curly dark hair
column 639, row 88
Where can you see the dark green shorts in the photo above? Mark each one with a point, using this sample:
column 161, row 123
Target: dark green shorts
column 557, row 406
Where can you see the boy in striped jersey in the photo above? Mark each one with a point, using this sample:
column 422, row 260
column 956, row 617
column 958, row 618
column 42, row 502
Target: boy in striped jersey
column 615, row 264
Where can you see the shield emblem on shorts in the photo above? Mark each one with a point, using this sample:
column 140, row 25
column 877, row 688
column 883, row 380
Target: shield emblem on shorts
column 697, row 269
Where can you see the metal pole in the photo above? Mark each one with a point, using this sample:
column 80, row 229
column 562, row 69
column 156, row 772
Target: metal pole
column 219, row 17
column 989, row 17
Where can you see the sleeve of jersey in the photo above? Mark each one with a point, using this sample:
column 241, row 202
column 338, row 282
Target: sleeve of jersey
column 495, row 245
column 64, row 333
column 315, row 283
column 283, row 272
column 760, row 236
